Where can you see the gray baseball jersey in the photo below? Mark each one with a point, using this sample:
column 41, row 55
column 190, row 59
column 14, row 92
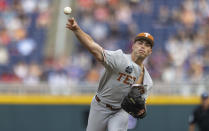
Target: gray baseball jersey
column 120, row 74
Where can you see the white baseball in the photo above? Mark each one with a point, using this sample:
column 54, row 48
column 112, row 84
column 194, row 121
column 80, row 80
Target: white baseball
column 67, row 10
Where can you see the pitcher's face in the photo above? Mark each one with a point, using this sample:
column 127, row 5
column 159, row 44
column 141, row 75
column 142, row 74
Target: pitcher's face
column 141, row 49
column 205, row 103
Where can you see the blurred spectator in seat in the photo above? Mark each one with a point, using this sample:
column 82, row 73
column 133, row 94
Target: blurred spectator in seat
column 58, row 79
column 177, row 56
column 158, row 63
column 4, row 56
column 4, row 37
column 3, row 5
column 26, row 46
column 195, row 72
column 21, row 70
column 94, row 74
column 169, row 74
column 202, row 11
column 9, row 77
column 33, row 76
column 187, row 15
column 29, row 6
column 164, row 18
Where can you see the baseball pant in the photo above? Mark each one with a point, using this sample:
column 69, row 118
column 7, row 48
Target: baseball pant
column 102, row 118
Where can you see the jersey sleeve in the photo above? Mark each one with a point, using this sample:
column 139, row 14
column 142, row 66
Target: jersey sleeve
column 112, row 59
column 147, row 92
column 148, row 84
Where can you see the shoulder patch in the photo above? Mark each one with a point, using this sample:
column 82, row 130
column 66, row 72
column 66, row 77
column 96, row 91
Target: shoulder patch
column 129, row 69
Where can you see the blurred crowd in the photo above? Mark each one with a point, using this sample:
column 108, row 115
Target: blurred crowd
column 23, row 27
column 180, row 28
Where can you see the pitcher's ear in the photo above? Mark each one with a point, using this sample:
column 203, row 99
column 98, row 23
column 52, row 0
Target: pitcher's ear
column 150, row 52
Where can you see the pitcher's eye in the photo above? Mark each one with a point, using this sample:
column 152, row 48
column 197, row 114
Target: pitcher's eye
column 148, row 44
column 140, row 42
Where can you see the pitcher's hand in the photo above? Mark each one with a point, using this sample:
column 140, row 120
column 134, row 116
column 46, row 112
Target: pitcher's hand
column 72, row 24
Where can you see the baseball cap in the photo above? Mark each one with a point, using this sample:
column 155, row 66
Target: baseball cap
column 145, row 36
column 204, row 95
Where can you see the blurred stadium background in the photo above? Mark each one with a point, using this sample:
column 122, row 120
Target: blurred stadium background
column 47, row 79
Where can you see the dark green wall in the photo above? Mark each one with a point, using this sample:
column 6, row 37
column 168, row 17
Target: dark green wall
column 166, row 118
column 74, row 118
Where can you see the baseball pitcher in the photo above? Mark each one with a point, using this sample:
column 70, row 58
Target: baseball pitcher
column 124, row 86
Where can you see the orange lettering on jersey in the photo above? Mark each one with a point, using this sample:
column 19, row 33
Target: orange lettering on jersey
column 134, row 78
column 120, row 76
column 128, row 77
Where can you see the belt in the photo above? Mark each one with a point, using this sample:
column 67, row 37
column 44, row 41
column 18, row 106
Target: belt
column 107, row 105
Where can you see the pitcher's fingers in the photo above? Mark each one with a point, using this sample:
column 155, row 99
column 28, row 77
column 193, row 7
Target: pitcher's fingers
column 69, row 27
column 71, row 20
column 68, row 24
